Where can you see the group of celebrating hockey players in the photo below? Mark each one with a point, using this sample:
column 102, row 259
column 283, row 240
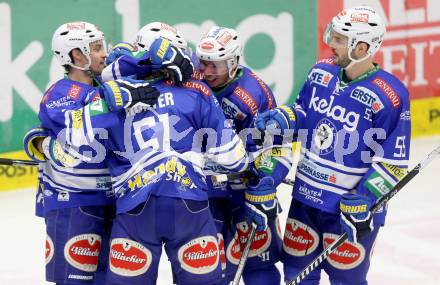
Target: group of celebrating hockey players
column 131, row 143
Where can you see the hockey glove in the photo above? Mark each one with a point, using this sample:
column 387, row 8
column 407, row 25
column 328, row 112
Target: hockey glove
column 174, row 61
column 31, row 140
column 261, row 203
column 356, row 218
column 127, row 93
column 275, row 120
column 118, row 50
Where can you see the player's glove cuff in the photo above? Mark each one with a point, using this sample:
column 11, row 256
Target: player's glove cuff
column 356, row 218
column 127, row 93
column 30, row 143
column 276, row 121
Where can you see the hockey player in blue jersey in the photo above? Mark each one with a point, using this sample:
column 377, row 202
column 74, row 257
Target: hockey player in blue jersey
column 237, row 203
column 78, row 200
column 353, row 121
column 156, row 165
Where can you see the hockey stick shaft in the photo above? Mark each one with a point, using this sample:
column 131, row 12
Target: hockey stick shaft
column 232, row 176
column 17, row 162
column 324, row 255
column 244, row 256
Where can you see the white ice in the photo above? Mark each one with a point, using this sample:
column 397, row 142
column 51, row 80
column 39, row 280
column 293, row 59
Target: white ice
column 407, row 250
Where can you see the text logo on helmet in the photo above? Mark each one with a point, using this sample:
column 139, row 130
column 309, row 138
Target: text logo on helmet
column 76, row 26
column 152, row 31
column 360, row 24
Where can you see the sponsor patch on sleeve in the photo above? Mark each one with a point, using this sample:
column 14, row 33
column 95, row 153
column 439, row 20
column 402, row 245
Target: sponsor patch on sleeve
column 247, row 99
column 198, row 87
column 320, row 77
column 378, row 185
column 388, row 90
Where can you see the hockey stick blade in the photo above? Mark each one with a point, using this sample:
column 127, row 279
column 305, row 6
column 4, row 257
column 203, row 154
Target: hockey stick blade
column 244, row 256
column 17, row 162
column 325, row 254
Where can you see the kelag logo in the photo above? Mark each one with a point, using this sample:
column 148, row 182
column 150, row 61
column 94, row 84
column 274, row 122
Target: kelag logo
column 276, row 44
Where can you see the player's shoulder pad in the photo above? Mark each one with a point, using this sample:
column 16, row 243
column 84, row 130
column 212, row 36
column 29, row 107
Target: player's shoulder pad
column 197, row 86
column 326, row 64
column 326, row 60
column 63, row 93
column 245, row 99
column 257, row 87
column 390, row 88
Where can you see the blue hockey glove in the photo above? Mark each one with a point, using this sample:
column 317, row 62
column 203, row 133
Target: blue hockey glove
column 118, row 50
column 174, row 61
column 356, row 218
column 127, row 93
column 272, row 121
column 30, row 142
column 261, row 203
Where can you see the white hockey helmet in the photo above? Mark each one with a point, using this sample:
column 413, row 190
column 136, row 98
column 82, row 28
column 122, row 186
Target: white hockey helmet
column 74, row 35
column 221, row 44
column 358, row 24
column 152, row 31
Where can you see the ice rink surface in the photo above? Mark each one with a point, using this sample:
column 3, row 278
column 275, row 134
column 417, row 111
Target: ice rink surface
column 407, row 250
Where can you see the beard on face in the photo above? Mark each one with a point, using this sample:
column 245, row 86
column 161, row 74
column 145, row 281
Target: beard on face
column 341, row 60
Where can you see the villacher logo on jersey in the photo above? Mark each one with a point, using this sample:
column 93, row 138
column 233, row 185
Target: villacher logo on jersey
column 200, row 255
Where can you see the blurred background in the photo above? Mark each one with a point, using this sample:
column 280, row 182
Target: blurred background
column 281, row 40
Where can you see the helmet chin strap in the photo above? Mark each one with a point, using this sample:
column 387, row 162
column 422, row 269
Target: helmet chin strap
column 86, row 67
column 354, row 61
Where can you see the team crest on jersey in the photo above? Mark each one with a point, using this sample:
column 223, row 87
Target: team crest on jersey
column 231, row 110
column 74, row 91
column 325, row 136
column 200, row 255
column 347, row 256
column 221, row 250
column 367, row 98
column 82, row 252
column 299, row 238
column 129, row 258
column 49, row 249
column 320, row 76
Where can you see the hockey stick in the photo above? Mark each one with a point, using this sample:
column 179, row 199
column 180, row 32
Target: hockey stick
column 231, row 176
column 325, row 254
column 17, row 162
column 244, row 256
